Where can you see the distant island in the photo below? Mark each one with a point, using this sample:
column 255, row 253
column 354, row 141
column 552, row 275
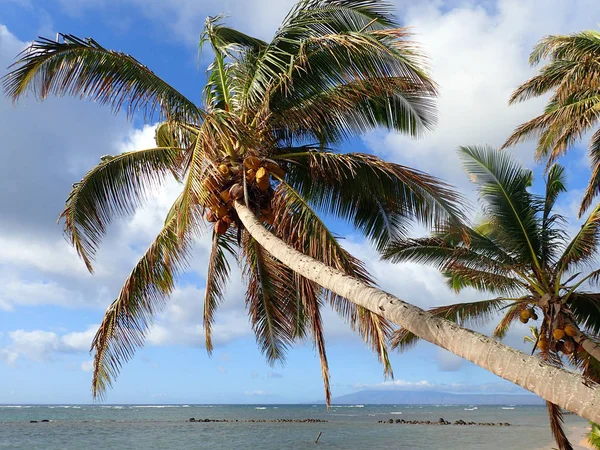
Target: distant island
column 394, row 397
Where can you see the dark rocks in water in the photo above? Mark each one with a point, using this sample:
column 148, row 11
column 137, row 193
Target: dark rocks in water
column 259, row 420
column 33, row 421
column 45, row 420
column 443, row 421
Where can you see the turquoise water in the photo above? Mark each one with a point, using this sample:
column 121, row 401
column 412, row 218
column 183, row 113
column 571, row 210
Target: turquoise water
column 166, row 427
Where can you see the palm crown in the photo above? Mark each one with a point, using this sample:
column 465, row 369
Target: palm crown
column 519, row 251
column 271, row 115
column 572, row 75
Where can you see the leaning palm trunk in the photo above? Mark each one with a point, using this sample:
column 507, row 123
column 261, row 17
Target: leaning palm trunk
column 559, row 386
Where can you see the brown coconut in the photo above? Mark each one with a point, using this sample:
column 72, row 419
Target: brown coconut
column 221, row 226
column 252, row 162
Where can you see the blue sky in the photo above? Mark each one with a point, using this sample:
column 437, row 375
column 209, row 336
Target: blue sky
column 50, row 305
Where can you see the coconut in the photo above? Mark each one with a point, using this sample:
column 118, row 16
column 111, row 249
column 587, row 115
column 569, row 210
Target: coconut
column 221, row 211
column 250, row 175
column 224, row 169
column 543, row 344
column 221, row 226
column 263, row 184
column 261, row 173
column 252, row 162
column 211, row 216
column 568, row 347
column 558, row 334
column 525, row 315
column 236, row 192
column 224, row 195
column 275, row 169
column 571, row 330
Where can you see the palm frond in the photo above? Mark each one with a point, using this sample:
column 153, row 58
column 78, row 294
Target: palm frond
column 381, row 199
column 216, row 280
column 583, row 246
column 503, row 187
column 586, row 309
column 510, row 316
column 115, row 187
column 452, row 244
column 299, row 226
column 269, row 299
column 144, row 293
column 459, row 276
column 82, row 67
column 557, row 426
column 593, row 187
column 593, row 436
column 550, row 236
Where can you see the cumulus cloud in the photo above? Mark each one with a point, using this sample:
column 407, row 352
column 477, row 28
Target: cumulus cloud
column 40, row 345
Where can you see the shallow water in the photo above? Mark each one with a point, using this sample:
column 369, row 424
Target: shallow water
column 85, row 427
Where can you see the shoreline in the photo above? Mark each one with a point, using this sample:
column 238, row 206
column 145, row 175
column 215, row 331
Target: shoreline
column 577, row 436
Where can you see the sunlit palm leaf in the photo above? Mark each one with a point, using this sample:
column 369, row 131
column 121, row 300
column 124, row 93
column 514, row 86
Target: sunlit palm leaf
column 503, row 186
column 115, row 187
column 144, row 293
column 216, row 281
column 269, row 299
column 84, row 68
column 510, row 316
column 381, row 199
column 584, row 245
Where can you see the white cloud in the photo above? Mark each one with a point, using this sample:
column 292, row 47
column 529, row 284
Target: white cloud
column 426, row 385
column 40, row 345
column 257, row 393
column 478, row 56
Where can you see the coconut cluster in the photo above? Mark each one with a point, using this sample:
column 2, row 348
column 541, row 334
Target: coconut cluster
column 228, row 186
column 561, row 336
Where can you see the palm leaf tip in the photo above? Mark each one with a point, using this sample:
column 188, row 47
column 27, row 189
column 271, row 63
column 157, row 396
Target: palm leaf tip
column 84, row 68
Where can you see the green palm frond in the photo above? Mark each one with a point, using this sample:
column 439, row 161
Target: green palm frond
column 449, row 245
column 503, row 187
column 334, row 113
column 474, row 313
column 586, row 309
column 584, row 245
column 269, row 299
column 509, row 317
column 571, row 73
column 593, row 188
column 143, row 295
column 115, row 187
column 593, row 436
column 216, row 281
column 459, row 277
column 551, row 236
column 381, row 199
column 280, row 61
column 84, row 68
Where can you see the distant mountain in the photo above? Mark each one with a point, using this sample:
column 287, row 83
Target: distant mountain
column 433, row 398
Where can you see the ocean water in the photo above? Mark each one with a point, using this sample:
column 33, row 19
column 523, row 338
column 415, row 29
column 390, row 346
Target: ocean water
column 84, row 427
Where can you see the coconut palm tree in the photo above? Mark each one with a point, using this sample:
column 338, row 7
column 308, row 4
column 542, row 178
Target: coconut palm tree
column 271, row 115
column 572, row 75
column 256, row 164
column 520, row 251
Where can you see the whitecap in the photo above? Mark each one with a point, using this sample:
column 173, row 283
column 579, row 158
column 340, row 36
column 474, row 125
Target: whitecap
column 260, row 407
column 396, row 412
